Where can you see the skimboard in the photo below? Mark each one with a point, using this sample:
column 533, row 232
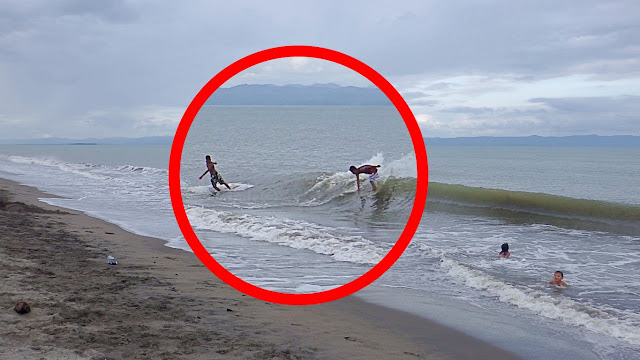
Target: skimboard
column 234, row 187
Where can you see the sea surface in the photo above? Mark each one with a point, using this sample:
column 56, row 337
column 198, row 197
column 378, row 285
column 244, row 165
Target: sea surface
column 294, row 221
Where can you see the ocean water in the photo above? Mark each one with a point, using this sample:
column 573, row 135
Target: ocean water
column 294, row 222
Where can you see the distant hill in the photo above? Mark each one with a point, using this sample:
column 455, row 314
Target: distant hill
column 534, row 140
column 316, row 94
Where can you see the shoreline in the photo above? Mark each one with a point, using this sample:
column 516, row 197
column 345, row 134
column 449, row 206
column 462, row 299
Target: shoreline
column 161, row 302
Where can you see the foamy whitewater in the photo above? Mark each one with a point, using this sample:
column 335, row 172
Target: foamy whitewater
column 294, row 222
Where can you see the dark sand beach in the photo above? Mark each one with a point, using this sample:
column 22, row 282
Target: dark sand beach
column 162, row 303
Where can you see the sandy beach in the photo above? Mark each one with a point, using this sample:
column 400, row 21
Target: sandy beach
column 162, row 303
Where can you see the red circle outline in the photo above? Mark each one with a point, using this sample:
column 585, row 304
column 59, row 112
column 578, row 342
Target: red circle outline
column 308, row 298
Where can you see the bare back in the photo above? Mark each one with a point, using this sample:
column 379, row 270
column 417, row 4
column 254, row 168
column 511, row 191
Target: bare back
column 211, row 167
column 367, row 169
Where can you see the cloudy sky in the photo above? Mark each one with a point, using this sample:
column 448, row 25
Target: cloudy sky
column 107, row 68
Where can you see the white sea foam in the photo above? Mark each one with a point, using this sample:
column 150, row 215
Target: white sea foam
column 198, row 190
column 292, row 233
column 207, row 189
column 77, row 169
column 237, row 187
column 85, row 168
column 560, row 307
column 143, row 169
column 310, row 288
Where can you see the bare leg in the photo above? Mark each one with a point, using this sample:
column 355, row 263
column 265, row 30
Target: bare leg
column 227, row 185
column 213, row 183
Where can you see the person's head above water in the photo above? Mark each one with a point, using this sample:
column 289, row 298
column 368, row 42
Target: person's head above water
column 353, row 169
column 505, row 247
column 207, row 157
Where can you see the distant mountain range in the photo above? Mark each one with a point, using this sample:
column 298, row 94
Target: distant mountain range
column 577, row 140
column 316, row 94
column 534, row 140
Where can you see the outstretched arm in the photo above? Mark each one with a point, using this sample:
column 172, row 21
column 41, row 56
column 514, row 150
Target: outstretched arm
column 205, row 173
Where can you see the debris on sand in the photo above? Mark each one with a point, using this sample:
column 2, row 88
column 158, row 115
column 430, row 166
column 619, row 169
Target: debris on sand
column 22, row 307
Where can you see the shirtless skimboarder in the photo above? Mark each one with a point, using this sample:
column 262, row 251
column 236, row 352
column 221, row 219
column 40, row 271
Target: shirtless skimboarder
column 372, row 170
column 215, row 175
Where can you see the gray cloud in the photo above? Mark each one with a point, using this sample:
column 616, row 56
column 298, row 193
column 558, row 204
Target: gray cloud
column 554, row 117
column 599, row 115
column 410, row 95
column 440, row 86
column 423, row 102
column 63, row 61
column 620, row 106
column 116, row 11
column 468, row 110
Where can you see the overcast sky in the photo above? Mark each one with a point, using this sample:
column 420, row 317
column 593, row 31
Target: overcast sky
column 107, row 68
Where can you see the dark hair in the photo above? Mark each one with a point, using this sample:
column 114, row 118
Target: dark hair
column 505, row 247
column 559, row 272
column 207, row 157
column 352, row 168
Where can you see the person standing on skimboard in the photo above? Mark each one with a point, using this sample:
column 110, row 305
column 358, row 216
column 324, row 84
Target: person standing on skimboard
column 215, row 175
column 372, row 170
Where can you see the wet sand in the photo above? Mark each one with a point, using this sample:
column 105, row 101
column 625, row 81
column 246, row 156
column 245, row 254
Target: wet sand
column 162, row 303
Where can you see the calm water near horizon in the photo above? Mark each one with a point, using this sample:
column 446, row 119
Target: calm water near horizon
column 295, row 222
